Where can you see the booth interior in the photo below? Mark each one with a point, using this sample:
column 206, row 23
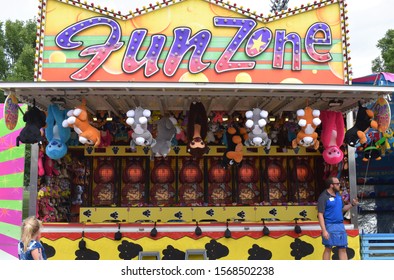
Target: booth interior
column 114, row 180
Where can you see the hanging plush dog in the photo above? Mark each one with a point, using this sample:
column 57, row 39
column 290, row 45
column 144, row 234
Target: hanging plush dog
column 165, row 132
column 256, row 122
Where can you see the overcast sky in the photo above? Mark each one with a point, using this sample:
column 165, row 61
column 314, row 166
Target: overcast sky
column 369, row 21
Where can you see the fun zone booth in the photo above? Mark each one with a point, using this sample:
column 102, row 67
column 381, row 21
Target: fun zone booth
column 185, row 125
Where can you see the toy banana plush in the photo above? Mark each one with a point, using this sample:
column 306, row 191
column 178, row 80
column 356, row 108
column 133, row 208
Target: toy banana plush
column 78, row 119
column 308, row 120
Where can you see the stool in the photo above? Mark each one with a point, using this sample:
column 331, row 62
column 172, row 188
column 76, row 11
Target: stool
column 154, row 254
column 196, row 252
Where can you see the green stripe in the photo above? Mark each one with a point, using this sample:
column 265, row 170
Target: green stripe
column 12, row 180
column 11, row 204
column 14, row 153
column 216, row 42
column 10, row 230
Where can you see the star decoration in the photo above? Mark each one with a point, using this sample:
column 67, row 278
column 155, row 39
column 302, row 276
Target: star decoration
column 258, row 43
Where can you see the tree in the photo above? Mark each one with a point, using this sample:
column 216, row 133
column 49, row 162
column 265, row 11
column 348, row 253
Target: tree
column 385, row 62
column 17, row 49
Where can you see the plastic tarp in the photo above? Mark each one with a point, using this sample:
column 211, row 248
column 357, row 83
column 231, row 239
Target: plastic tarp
column 378, row 79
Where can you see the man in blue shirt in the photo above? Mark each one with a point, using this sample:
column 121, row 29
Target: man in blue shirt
column 330, row 210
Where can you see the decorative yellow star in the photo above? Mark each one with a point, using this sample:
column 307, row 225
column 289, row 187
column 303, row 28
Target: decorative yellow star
column 258, row 43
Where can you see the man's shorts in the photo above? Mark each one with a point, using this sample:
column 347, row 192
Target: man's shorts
column 338, row 236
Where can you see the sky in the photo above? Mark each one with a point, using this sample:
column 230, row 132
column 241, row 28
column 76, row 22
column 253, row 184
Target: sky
column 368, row 21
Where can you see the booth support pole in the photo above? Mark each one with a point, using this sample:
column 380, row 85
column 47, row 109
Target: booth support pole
column 33, row 180
column 352, row 171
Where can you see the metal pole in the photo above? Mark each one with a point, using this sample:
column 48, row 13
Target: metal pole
column 33, row 180
column 352, row 172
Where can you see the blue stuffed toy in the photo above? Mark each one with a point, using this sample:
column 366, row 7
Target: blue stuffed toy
column 56, row 134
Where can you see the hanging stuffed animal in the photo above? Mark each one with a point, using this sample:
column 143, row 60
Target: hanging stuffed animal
column 138, row 119
column 308, row 119
column 79, row 121
column 31, row 133
column 56, row 134
column 332, row 135
column 256, row 122
column 374, row 151
column 234, row 151
column 197, row 128
column 364, row 121
column 165, row 133
column 389, row 136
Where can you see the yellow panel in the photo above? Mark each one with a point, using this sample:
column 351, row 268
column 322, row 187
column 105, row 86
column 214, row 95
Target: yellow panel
column 283, row 248
column 103, row 214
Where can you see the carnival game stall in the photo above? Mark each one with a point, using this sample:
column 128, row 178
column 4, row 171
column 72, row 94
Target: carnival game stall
column 190, row 125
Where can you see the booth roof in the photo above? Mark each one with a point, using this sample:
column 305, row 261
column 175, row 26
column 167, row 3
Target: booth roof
column 119, row 97
column 377, row 79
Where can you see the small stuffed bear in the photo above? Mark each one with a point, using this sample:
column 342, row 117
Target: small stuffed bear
column 31, row 133
column 56, row 134
column 165, row 132
column 138, row 120
column 256, row 121
column 364, row 121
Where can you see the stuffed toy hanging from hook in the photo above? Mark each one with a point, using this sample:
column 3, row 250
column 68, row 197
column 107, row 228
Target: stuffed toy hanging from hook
column 31, row 133
column 332, row 135
column 78, row 119
column 138, row 119
column 56, row 134
column 197, row 129
column 364, row 120
column 308, row 120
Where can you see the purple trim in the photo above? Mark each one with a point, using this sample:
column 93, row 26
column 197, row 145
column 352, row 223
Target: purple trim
column 11, row 193
column 9, row 245
column 388, row 76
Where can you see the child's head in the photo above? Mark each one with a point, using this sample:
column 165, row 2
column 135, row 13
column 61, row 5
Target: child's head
column 31, row 229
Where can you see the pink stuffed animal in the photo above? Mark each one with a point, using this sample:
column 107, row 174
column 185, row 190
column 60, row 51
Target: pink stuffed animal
column 332, row 136
column 49, row 167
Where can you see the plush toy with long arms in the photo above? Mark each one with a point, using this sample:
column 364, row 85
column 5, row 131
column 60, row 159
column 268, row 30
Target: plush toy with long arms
column 31, row 133
column 56, row 134
column 364, row 121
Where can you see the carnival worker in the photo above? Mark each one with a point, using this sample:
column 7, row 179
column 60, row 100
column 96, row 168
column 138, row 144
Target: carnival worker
column 330, row 209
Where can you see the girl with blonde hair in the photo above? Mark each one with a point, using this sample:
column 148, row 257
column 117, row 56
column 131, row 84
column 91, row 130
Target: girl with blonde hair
column 30, row 247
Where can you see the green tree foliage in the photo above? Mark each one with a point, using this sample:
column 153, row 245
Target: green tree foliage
column 17, row 49
column 385, row 62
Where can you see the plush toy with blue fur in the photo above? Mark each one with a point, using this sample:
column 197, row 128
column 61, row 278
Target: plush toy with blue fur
column 56, row 134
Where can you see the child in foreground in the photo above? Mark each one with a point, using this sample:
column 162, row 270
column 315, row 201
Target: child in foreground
column 30, row 247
